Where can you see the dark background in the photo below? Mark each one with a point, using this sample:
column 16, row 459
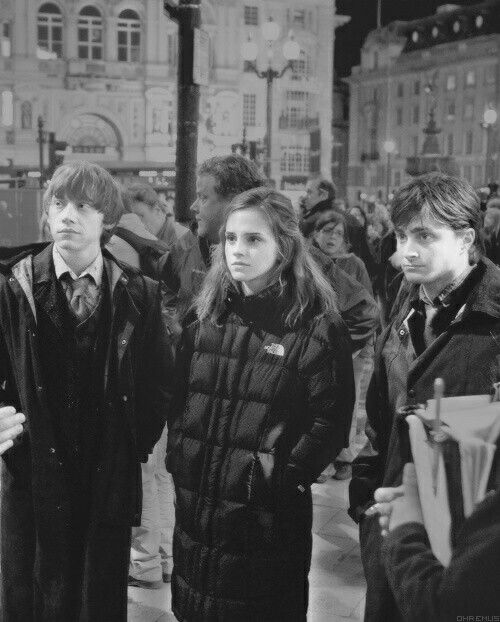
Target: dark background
column 363, row 13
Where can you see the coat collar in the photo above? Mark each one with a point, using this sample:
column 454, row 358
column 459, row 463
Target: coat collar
column 484, row 297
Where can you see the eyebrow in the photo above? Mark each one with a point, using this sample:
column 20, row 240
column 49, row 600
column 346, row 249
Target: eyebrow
column 417, row 229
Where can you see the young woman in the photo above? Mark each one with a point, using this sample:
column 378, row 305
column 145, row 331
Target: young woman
column 330, row 236
column 265, row 390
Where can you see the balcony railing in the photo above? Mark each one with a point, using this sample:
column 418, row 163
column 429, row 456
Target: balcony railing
column 287, row 122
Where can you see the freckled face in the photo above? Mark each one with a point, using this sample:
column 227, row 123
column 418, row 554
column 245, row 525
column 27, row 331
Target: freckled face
column 74, row 225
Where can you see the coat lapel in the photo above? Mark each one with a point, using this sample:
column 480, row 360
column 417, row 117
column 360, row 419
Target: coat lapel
column 46, row 290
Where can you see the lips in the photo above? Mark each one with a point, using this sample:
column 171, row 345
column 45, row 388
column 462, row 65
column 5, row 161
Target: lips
column 239, row 265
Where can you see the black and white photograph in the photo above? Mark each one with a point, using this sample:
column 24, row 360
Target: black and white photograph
column 249, row 311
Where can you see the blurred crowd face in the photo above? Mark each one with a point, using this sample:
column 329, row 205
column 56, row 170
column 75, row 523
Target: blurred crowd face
column 75, row 226
column 331, row 239
column 358, row 215
column 313, row 194
column 152, row 216
column 433, row 254
column 250, row 249
column 374, row 231
column 208, row 209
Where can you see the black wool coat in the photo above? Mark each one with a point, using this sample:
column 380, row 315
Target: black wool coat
column 259, row 412
column 465, row 356
column 36, row 484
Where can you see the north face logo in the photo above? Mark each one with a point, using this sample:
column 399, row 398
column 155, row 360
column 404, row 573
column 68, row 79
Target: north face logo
column 275, row 348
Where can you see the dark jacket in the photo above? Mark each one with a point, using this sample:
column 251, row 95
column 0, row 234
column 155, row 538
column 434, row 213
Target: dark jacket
column 36, row 483
column 464, row 355
column 258, row 411
column 468, row 589
column 356, row 306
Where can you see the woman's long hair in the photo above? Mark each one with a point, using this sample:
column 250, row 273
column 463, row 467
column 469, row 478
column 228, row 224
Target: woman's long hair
column 309, row 289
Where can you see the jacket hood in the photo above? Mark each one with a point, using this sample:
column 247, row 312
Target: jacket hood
column 133, row 223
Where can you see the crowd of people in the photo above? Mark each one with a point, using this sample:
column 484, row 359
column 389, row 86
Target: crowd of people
column 222, row 364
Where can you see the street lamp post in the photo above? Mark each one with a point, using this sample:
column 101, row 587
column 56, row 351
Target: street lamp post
column 489, row 120
column 389, row 147
column 41, row 142
column 249, row 51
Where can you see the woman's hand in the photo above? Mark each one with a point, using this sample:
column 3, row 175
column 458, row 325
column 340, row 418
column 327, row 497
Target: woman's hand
column 397, row 506
column 10, row 427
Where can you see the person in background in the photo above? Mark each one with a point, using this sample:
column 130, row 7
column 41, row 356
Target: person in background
column 330, row 236
column 467, row 589
column 84, row 355
column 133, row 243
column 447, row 326
column 151, row 550
column 491, row 230
column 219, row 180
column 155, row 214
column 265, row 392
column 356, row 212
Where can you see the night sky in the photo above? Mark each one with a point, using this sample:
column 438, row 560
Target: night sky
column 349, row 38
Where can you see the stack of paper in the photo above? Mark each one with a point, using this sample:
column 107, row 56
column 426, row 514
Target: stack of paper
column 474, row 423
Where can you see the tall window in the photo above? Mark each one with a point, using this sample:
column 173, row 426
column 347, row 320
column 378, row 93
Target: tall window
column 90, row 34
column 399, row 116
column 400, row 89
column 297, row 107
column 5, row 43
column 301, row 68
column 129, row 37
column 294, row 159
column 251, row 15
column 451, row 82
column 416, row 114
column 49, row 31
column 249, row 105
column 470, row 78
column 416, row 87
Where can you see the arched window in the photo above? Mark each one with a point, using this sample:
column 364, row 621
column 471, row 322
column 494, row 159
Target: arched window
column 129, row 37
column 49, row 31
column 90, row 34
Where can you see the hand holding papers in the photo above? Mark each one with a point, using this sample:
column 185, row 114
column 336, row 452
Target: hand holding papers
column 472, row 423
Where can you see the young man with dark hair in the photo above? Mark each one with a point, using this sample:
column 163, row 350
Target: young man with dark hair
column 84, row 355
column 447, row 327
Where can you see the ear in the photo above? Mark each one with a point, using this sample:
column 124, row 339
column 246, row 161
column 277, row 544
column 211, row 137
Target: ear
column 469, row 236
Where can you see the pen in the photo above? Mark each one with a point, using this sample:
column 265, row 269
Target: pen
column 436, row 427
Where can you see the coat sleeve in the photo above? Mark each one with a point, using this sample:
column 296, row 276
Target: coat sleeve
column 368, row 467
column 425, row 590
column 329, row 385
column 357, row 307
column 156, row 377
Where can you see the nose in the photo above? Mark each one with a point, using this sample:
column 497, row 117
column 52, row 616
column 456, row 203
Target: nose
column 194, row 207
column 238, row 248
column 408, row 249
column 69, row 212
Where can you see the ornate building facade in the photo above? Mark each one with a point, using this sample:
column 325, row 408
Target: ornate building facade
column 448, row 63
column 102, row 75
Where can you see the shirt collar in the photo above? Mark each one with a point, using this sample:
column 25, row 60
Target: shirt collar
column 94, row 270
column 445, row 298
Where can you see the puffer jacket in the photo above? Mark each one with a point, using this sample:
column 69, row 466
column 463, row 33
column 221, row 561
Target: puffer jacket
column 258, row 409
